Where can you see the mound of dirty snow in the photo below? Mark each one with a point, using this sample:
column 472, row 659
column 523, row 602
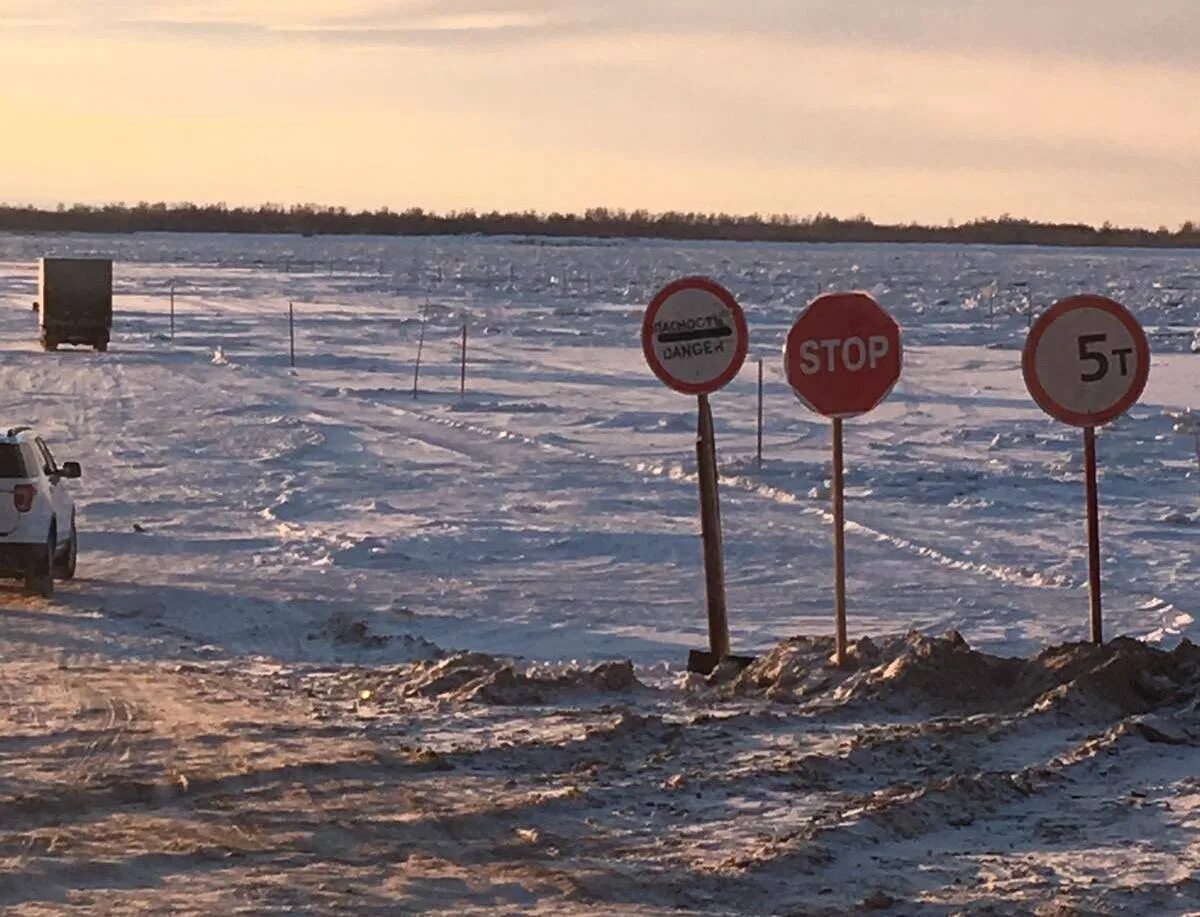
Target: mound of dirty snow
column 944, row 674
column 468, row 677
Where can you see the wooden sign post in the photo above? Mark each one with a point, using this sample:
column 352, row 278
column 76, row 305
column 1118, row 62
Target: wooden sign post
column 1086, row 362
column 694, row 338
column 842, row 358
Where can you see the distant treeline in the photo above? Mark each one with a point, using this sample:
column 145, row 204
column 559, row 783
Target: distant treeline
column 599, row 222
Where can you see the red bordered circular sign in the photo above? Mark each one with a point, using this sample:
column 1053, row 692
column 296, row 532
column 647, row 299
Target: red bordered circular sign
column 694, row 336
column 1086, row 361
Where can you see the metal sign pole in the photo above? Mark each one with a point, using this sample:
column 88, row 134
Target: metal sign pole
column 1093, row 533
column 839, row 542
column 710, row 530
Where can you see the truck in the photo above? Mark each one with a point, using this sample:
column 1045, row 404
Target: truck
column 75, row 296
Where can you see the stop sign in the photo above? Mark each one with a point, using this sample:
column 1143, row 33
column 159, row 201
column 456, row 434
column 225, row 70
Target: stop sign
column 843, row 355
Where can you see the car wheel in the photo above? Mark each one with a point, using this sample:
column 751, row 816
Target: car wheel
column 64, row 566
column 101, row 345
column 39, row 576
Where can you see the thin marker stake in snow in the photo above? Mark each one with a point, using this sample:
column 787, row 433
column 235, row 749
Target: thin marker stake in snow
column 172, row 310
column 462, row 379
column 420, row 347
column 292, row 333
column 1086, row 362
column 760, row 411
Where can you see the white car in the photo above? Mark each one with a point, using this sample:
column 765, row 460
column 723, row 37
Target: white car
column 38, row 541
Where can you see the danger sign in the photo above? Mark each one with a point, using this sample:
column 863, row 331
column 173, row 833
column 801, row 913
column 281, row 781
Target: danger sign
column 1086, row 361
column 694, row 336
column 843, row 355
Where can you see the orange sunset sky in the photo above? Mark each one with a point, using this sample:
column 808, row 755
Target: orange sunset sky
column 925, row 110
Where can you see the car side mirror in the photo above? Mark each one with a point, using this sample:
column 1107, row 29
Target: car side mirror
column 70, row 470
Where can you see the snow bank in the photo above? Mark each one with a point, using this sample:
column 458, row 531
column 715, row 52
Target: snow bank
column 466, row 678
column 945, row 675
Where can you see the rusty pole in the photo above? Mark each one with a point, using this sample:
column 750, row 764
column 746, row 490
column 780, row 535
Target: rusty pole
column 839, row 542
column 1093, row 533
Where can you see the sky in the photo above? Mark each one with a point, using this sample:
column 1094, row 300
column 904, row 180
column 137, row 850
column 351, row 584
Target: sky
column 902, row 110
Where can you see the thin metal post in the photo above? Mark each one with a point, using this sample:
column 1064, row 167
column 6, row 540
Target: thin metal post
column 1093, row 533
column 292, row 333
column 710, row 532
column 420, row 347
column 839, row 542
column 172, row 310
column 760, row 411
column 462, row 379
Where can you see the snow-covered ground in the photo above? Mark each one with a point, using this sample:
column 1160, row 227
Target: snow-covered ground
column 551, row 512
column 275, row 531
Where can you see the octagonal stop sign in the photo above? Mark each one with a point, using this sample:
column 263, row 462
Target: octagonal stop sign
column 843, row 355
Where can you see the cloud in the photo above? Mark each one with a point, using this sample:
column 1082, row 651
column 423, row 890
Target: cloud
column 902, row 109
column 1163, row 32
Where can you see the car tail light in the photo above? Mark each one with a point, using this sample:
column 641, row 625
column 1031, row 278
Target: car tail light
column 23, row 495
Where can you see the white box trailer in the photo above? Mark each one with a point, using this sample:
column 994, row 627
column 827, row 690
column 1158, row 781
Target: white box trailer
column 75, row 296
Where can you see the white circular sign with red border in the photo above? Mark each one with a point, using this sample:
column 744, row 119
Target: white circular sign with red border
column 1086, row 361
column 694, row 336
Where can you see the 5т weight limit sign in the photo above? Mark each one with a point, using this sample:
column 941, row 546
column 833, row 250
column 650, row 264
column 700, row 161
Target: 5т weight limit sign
column 1086, row 361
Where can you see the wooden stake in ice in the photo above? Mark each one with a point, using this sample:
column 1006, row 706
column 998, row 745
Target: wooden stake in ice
column 420, row 347
column 1086, row 362
column 462, row 378
column 760, row 411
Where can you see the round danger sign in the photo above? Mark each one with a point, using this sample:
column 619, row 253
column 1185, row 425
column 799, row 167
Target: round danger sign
column 843, row 355
column 694, row 336
column 1086, row 361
